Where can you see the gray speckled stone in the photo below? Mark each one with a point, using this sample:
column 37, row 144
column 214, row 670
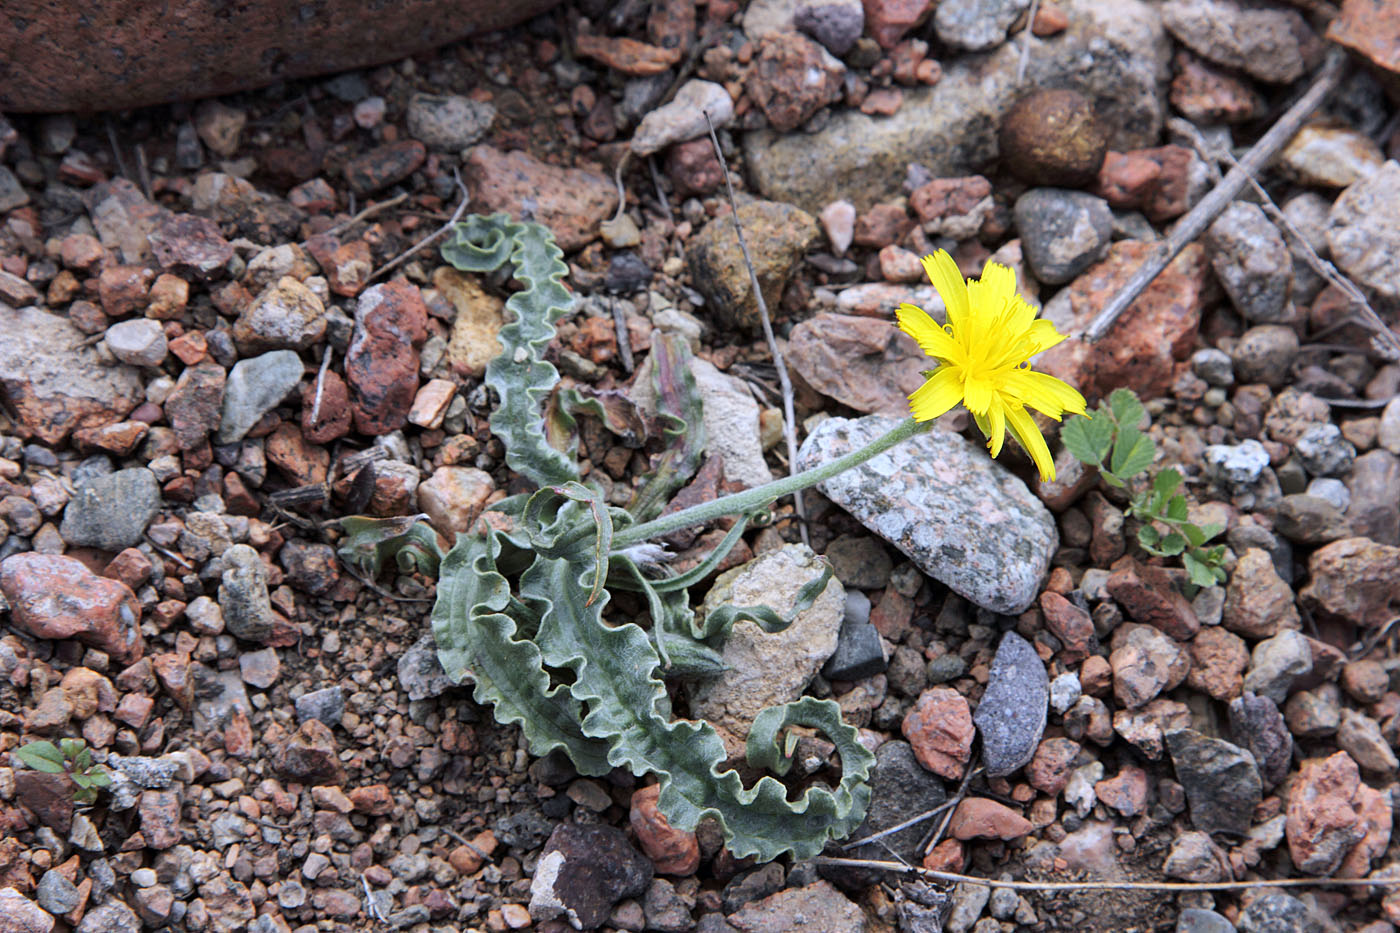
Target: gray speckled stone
column 1062, row 232
column 962, row 518
column 1011, row 716
column 255, row 387
column 111, row 512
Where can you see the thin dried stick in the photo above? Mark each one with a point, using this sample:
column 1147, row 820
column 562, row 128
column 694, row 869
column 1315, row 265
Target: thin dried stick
column 784, row 381
column 912, row 821
column 624, row 343
column 321, row 385
column 367, row 213
column 957, row 798
column 1026, row 44
column 1199, row 217
column 403, row 257
column 116, row 147
column 1108, row 885
column 1329, row 272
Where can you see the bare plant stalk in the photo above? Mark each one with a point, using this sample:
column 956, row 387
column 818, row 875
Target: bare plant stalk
column 784, row 380
column 1199, row 217
column 403, row 257
column 957, row 878
column 1329, row 272
column 367, row 213
column 1026, row 44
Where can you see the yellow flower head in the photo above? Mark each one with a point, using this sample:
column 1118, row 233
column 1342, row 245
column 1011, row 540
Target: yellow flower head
column 984, row 356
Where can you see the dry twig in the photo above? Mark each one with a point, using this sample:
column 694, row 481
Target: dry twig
column 367, row 213
column 789, row 413
column 952, row 804
column 1384, row 340
column 1178, row 886
column 403, row 257
column 1195, row 221
column 1026, row 44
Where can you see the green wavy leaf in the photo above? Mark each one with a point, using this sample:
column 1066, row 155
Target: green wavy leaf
column 520, row 375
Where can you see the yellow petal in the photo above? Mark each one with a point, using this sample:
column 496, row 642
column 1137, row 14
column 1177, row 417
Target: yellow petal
column 941, row 392
column 1044, row 393
column 996, row 421
column 1042, row 335
column 977, row 394
column 932, row 339
column 1023, row 426
column 998, row 281
column 950, row 285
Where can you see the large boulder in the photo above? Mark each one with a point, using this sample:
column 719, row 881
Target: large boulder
column 114, row 54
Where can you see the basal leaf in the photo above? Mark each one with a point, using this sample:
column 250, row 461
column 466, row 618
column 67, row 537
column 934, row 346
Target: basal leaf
column 1088, row 437
column 681, row 411
column 520, row 375
column 405, row 539
column 475, row 626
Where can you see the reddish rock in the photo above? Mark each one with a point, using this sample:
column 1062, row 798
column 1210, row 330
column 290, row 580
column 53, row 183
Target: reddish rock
column 628, row 56
column 1208, row 96
column 122, row 289
column 310, row 755
column 160, row 818
column 693, row 168
column 570, row 202
column 953, row 207
column 347, row 266
column 1052, row 765
column 861, row 362
column 1258, row 603
column 792, row 78
column 48, row 796
column 1071, row 625
column 385, row 165
column 1147, row 595
column 1145, row 662
column 373, row 799
column 1323, row 823
column 1095, row 675
column 1354, row 580
column 1371, row 28
column 1147, row 728
column 881, row 226
column 453, row 498
column 1158, row 329
column 193, row 408
column 948, row 855
column 88, row 692
column 887, row 21
column 381, row 364
column 128, row 53
column 120, row 438
column 672, row 851
column 290, row 452
column 190, row 245
column 58, row 597
column 172, row 670
column 940, row 730
column 980, row 818
column 333, row 416
column 1126, row 791
column 1218, row 662
column 468, row 859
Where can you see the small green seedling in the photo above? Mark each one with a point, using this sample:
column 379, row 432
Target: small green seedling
column 1113, row 440
column 70, row 756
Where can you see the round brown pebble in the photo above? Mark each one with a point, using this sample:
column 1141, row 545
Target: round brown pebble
column 1052, row 137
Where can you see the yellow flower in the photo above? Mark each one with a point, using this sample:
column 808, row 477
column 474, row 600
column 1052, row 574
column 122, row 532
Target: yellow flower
column 984, row 356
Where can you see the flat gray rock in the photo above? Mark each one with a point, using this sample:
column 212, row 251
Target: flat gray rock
column 1115, row 52
column 255, row 387
column 1011, row 716
column 111, row 512
column 961, row 517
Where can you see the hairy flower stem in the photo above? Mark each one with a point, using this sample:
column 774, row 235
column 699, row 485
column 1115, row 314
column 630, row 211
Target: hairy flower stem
column 751, row 500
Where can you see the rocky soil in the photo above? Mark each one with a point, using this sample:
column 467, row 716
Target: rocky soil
column 216, row 338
